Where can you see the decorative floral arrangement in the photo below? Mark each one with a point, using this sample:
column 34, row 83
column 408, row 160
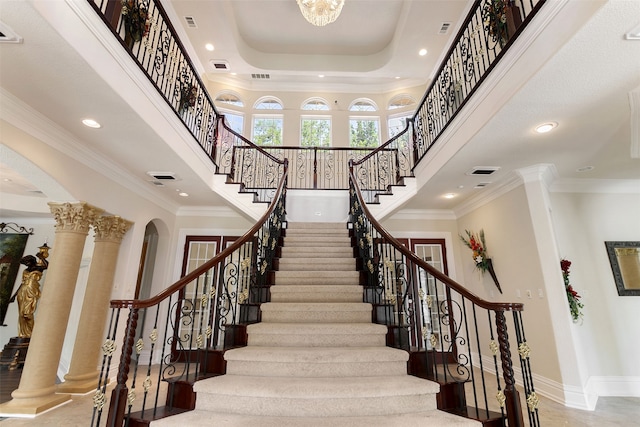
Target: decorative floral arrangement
column 494, row 15
column 478, row 246
column 574, row 299
column 188, row 98
column 135, row 15
column 476, row 243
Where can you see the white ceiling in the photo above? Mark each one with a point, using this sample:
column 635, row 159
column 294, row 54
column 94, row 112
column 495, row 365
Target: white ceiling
column 588, row 87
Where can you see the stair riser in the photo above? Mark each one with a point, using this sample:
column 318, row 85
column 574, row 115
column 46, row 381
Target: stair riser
column 315, row 407
column 320, row 244
column 316, row 297
column 316, row 316
column 316, row 370
column 317, row 252
column 325, row 340
column 311, row 281
column 317, row 266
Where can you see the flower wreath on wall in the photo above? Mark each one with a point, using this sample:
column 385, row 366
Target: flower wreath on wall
column 575, row 305
column 478, row 246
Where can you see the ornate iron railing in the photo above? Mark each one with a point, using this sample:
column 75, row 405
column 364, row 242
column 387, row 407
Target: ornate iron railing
column 453, row 336
column 180, row 335
column 489, row 29
column 144, row 29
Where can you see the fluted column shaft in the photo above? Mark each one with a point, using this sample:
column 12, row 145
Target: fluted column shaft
column 36, row 392
column 83, row 370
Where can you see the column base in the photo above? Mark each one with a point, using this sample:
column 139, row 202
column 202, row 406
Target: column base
column 30, row 407
column 79, row 385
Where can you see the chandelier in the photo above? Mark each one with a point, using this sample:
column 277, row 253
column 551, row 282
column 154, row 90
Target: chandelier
column 320, row 12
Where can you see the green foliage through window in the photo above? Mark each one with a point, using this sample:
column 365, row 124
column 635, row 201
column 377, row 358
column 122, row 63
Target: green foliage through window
column 267, row 131
column 315, row 133
column 364, row 133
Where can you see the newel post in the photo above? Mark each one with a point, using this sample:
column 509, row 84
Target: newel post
column 512, row 398
column 119, row 394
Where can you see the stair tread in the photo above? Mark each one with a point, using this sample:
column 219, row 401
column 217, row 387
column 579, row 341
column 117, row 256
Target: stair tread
column 311, row 388
column 201, row 418
column 316, row 306
column 317, row 354
column 317, row 328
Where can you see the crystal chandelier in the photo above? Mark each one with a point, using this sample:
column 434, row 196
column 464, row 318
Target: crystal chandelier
column 320, row 12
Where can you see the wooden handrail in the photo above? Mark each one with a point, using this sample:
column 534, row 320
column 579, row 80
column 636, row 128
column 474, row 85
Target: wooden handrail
column 246, row 237
column 495, row 306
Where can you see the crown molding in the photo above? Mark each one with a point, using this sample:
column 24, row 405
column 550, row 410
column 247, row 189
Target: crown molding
column 35, row 124
column 424, row 214
column 511, row 181
column 599, row 186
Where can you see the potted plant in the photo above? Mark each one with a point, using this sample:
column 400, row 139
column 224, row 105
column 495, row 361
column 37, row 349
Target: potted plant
column 135, row 16
column 501, row 20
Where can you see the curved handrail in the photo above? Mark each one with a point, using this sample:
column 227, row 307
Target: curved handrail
column 383, row 146
column 495, row 306
column 246, row 237
column 247, row 141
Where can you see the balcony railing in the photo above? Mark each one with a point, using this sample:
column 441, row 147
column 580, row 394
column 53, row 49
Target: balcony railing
column 489, row 29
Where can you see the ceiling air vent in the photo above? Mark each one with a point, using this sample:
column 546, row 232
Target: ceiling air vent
column 191, row 23
column 481, row 184
column 444, row 28
column 260, row 76
column 483, row 170
column 219, row 64
column 157, row 183
column 7, row 35
column 163, row 176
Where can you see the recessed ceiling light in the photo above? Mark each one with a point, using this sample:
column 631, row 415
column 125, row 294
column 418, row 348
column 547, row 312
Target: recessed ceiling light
column 209, row 47
column 449, row 195
column 422, row 52
column 546, row 127
column 183, row 194
column 585, row 169
column 321, row 75
column 91, row 123
column 397, row 77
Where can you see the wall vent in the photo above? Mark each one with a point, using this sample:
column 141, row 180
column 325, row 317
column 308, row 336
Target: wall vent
column 260, row 76
column 483, row 170
column 191, row 22
column 444, row 28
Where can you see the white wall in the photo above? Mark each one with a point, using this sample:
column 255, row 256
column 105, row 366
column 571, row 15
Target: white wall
column 608, row 338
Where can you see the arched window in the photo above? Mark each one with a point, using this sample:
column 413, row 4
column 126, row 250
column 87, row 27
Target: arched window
column 401, row 101
column 363, row 104
column 315, row 104
column 229, row 99
column 268, row 103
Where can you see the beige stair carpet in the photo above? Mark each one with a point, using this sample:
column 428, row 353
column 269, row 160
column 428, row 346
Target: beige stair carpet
column 316, row 359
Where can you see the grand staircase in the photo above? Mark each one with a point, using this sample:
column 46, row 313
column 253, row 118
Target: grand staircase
column 316, row 359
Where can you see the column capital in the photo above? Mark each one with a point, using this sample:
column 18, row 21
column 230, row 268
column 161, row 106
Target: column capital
column 111, row 228
column 76, row 217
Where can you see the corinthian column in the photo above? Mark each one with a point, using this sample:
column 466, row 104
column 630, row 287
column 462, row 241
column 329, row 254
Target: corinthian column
column 36, row 392
column 83, row 371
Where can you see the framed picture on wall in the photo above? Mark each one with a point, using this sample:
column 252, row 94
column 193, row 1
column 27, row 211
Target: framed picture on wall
column 624, row 258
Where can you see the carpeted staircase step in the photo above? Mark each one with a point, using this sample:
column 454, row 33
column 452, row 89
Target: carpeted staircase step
column 312, row 397
column 317, row 264
column 316, row 293
column 317, row 252
column 333, row 241
column 435, row 418
column 316, row 334
column 316, row 362
column 317, row 278
column 316, row 312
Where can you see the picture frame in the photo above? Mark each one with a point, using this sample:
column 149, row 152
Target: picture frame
column 624, row 258
column 12, row 246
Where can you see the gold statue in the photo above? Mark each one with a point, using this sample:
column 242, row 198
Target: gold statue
column 28, row 293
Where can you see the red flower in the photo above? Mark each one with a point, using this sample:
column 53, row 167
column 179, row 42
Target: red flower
column 564, row 265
